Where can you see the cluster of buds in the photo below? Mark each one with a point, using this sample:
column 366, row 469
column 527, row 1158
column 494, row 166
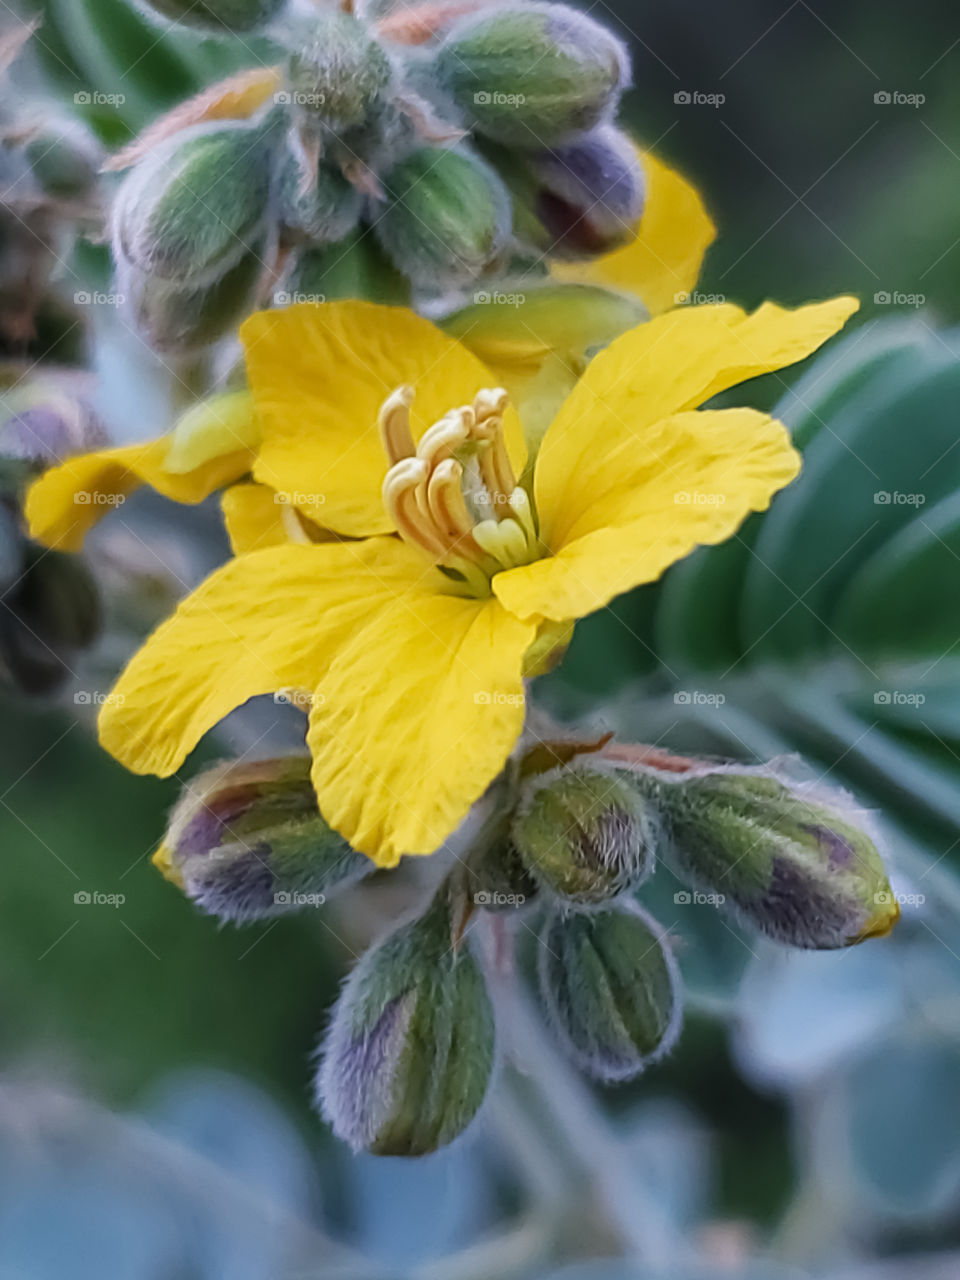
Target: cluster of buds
column 573, row 836
column 422, row 152
column 49, row 603
column 48, row 192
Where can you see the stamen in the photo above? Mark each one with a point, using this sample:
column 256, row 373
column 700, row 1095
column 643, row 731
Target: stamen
column 293, row 525
column 395, row 425
column 446, row 502
column 455, row 494
column 401, row 489
column 439, row 441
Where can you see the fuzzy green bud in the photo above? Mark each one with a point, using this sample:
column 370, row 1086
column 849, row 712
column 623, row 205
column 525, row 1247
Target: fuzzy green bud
column 355, row 267
column 447, row 220
column 585, row 833
column 246, row 841
column 64, row 161
column 325, row 207
column 409, row 1052
column 795, row 862
column 180, row 320
column 338, row 74
column 583, row 198
column 611, row 988
column 217, row 15
column 193, row 208
column 533, row 75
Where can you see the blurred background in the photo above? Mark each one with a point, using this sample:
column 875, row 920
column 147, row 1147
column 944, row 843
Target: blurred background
column 154, row 1102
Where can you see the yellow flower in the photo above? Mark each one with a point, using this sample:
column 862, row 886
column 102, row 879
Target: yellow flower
column 412, row 633
column 534, row 348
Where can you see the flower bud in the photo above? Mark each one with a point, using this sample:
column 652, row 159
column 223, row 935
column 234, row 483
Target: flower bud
column 611, row 988
column 793, row 861
column 355, row 267
column 533, row 75
column 339, row 73
column 407, row 1059
column 218, row 15
column 325, row 208
column 447, row 220
column 583, row 198
column 585, row 833
column 64, row 161
column 193, row 208
column 246, row 841
column 48, row 425
column 180, row 320
column 49, row 613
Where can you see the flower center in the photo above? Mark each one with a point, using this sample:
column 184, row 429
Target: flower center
column 454, row 495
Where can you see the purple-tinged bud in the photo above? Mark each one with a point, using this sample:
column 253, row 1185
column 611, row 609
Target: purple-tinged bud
column 47, row 425
column 585, row 197
column 246, row 841
column 408, row 1055
column 611, row 988
column 794, row 861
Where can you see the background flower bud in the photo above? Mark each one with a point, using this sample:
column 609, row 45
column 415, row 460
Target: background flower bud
column 408, row 1055
column 611, row 988
column 791, row 860
column 193, row 208
column 48, row 613
column 178, row 320
column 582, row 198
column 49, row 424
column 223, row 15
column 338, row 72
column 447, row 220
column 533, row 75
column 246, row 840
column 585, row 833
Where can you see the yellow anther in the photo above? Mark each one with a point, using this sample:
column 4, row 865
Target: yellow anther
column 395, row 425
column 402, row 487
column 440, row 440
column 446, row 502
column 455, row 494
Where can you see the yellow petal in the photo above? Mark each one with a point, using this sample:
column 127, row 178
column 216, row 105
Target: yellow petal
column 663, row 262
column 415, row 718
column 219, row 425
column 319, row 375
column 690, row 480
column 68, row 500
column 266, row 621
column 256, row 518
column 673, row 363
